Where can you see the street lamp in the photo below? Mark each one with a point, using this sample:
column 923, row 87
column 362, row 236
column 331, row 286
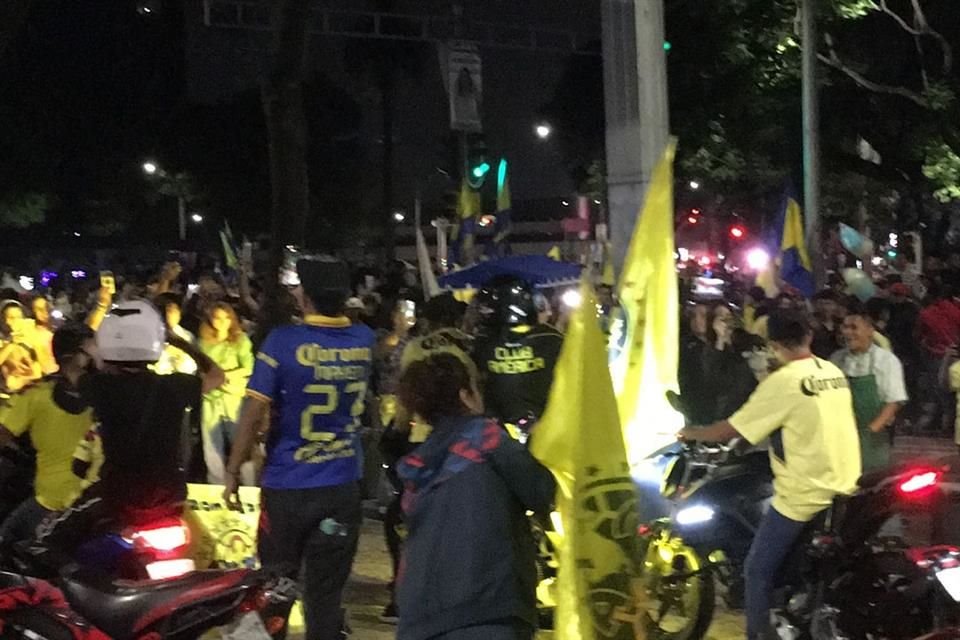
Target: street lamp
column 398, row 217
column 694, row 185
column 152, row 169
column 543, row 130
column 197, row 218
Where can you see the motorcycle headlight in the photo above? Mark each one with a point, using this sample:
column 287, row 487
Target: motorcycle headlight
column 696, row 514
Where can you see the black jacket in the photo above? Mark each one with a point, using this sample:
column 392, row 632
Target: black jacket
column 470, row 557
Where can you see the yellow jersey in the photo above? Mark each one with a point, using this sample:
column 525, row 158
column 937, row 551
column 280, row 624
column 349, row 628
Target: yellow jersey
column 54, row 433
column 806, row 410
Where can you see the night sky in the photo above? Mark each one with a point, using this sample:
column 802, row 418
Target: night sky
column 92, row 89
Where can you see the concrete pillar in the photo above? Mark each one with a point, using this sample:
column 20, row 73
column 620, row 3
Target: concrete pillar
column 635, row 93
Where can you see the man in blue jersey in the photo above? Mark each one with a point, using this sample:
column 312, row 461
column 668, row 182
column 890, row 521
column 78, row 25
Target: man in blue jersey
column 313, row 379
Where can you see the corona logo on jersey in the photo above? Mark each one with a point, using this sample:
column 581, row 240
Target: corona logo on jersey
column 510, row 360
column 334, row 364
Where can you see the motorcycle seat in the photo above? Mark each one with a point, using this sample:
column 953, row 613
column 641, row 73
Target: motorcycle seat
column 123, row 608
column 10, row 580
column 873, row 478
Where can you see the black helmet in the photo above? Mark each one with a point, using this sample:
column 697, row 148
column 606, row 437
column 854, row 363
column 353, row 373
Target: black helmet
column 507, row 301
column 68, row 341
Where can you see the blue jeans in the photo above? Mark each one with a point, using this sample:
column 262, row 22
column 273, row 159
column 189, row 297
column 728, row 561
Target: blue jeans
column 774, row 540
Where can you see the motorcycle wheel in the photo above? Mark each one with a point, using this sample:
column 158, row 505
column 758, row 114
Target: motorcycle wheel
column 681, row 594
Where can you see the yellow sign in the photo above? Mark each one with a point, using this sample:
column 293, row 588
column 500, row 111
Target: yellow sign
column 221, row 538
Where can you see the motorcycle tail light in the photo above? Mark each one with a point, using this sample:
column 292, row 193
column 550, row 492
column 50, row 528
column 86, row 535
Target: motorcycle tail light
column 919, row 483
column 163, row 538
column 165, row 569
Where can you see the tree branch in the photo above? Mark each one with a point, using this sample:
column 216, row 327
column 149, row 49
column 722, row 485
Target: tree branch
column 921, row 20
column 921, row 28
column 870, row 85
column 833, row 60
column 883, row 7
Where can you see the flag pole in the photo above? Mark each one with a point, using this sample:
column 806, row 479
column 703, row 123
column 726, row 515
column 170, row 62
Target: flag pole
column 811, row 139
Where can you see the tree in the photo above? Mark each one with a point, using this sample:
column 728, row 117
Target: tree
column 13, row 15
column 380, row 63
column 282, row 96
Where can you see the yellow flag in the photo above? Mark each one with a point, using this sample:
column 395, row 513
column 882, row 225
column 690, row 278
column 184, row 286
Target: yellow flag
column 468, row 205
column 554, row 253
column 580, row 440
column 644, row 345
column 608, row 277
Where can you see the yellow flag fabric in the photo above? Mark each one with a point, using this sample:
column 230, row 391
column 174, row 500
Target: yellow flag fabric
column 223, row 538
column 608, row 277
column 644, row 351
column 468, row 205
column 554, row 253
column 767, row 279
column 579, row 439
column 793, row 235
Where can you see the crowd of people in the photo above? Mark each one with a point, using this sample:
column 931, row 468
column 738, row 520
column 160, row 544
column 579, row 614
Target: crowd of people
column 108, row 389
column 109, row 383
column 904, row 335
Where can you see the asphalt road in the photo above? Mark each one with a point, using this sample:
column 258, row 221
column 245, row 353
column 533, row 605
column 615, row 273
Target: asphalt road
column 367, row 592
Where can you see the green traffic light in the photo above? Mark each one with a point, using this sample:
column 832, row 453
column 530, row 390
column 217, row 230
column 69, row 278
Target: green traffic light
column 481, row 170
column 667, row 46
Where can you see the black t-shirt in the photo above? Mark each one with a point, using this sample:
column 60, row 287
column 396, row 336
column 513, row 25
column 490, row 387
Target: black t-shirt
column 143, row 425
column 517, row 369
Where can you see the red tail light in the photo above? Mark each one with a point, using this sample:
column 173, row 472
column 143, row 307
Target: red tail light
column 164, row 538
column 919, row 483
column 164, row 569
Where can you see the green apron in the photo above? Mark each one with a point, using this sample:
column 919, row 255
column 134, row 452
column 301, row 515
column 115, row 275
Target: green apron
column 867, row 405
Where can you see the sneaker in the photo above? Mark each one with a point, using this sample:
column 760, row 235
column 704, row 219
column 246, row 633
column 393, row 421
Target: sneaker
column 389, row 615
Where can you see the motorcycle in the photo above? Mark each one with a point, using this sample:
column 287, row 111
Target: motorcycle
column 841, row 581
column 716, row 496
column 847, row 582
column 242, row 603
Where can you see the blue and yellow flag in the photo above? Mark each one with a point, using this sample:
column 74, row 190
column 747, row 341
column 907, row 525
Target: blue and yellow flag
column 644, row 343
column 795, row 267
column 579, row 439
column 229, row 253
column 468, row 208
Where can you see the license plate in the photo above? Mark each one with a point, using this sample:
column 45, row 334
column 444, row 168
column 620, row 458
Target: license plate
column 248, row 627
column 950, row 580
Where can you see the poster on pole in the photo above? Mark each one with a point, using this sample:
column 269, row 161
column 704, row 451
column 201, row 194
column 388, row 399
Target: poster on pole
column 463, row 78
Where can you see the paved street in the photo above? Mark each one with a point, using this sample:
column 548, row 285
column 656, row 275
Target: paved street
column 367, row 593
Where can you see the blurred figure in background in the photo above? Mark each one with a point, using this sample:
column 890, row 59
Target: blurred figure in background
column 354, row 309
column 223, row 341
column 43, row 334
column 18, row 359
column 174, row 359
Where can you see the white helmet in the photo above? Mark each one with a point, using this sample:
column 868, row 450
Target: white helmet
column 132, row 332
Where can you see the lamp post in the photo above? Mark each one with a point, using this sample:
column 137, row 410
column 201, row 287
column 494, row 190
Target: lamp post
column 152, row 169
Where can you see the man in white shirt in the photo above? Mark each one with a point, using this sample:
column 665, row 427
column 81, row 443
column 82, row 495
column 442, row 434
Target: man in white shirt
column 876, row 384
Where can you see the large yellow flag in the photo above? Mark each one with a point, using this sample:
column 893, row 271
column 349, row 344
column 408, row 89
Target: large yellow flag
column 644, row 350
column 580, row 440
